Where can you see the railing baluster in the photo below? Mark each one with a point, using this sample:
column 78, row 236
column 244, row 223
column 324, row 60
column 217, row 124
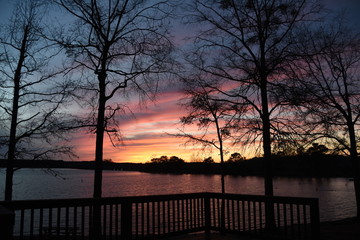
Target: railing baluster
column 254, row 215
column 260, row 216
column 41, row 222
column 184, row 219
column 178, row 215
column 136, row 221
column 148, row 218
column 233, row 213
column 212, row 211
column 219, row 210
column 67, row 221
column 227, row 215
column 305, row 221
column 278, row 214
column 50, row 220
column 196, row 212
column 190, row 216
column 243, row 215
column 292, row 219
column 169, row 215
column 75, row 222
column 58, row 221
column 91, row 219
column 249, row 215
column 111, row 227
column 22, row 219
column 238, row 215
column 83, row 222
column 157, row 217
column 285, row 219
column 298, row 219
column 175, row 215
column 104, row 219
column 142, row 219
column 153, row 217
column 164, row 216
column 191, row 213
column 193, row 210
column 31, row 223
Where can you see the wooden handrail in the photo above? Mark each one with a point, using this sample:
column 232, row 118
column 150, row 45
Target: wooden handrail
column 145, row 216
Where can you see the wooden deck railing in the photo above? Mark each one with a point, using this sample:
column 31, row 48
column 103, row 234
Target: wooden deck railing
column 163, row 215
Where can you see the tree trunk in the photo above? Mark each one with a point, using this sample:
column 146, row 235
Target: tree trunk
column 14, row 120
column 99, row 146
column 221, row 151
column 355, row 166
column 100, row 129
column 265, row 117
column 266, row 142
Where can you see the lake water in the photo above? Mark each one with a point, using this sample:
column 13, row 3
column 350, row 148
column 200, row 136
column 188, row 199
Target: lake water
column 336, row 195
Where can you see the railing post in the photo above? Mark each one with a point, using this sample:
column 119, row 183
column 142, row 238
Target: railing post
column 96, row 223
column 269, row 214
column 207, row 213
column 7, row 220
column 126, row 220
column 315, row 219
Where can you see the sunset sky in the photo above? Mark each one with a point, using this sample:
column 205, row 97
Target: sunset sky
column 145, row 135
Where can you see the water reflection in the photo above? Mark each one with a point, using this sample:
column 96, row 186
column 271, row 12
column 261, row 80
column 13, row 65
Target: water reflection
column 336, row 195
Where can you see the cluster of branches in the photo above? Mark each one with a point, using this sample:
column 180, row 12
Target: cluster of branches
column 275, row 73
column 99, row 50
column 33, row 98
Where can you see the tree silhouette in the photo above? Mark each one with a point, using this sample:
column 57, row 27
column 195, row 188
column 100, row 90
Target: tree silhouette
column 242, row 48
column 33, row 98
column 326, row 90
column 235, row 157
column 211, row 116
column 208, row 160
column 117, row 46
column 317, row 149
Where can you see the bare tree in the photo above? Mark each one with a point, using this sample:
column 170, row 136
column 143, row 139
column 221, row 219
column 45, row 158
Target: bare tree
column 33, row 99
column 117, row 46
column 212, row 116
column 328, row 78
column 244, row 45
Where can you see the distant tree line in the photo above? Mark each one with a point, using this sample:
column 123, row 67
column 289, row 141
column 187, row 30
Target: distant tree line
column 290, row 166
column 309, row 164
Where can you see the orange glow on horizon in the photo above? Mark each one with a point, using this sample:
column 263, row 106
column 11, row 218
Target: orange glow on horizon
column 146, row 136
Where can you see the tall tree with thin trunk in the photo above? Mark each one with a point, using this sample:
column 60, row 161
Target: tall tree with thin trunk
column 116, row 46
column 32, row 97
column 326, row 90
column 212, row 116
column 243, row 46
